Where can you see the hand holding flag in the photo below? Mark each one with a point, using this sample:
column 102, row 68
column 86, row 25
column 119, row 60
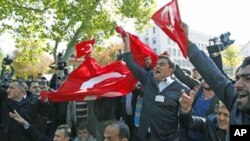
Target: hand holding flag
column 90, row 81
column 139, row 50
column 121, row 31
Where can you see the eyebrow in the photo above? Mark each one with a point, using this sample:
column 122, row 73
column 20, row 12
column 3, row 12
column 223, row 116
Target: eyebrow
column 244, row 75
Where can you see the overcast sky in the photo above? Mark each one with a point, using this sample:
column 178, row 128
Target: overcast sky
column 217, row 16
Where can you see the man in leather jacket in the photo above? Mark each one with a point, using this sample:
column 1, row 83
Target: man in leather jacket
column 214, row 128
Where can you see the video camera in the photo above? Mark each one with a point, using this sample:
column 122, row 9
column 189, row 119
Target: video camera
column 60, row 64
column 7, row 60
column 216, row 45
column 6, row 76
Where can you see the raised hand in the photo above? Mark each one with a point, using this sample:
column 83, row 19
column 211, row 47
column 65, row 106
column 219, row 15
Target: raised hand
column 125, row 37
column 186, row 101
column 19, row 119
column 121, row 31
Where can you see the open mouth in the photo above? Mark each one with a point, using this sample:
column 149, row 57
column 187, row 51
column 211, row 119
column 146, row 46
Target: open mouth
column 242, row 94
column 157, row 71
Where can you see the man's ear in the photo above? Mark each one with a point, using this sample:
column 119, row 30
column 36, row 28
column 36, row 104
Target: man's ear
column 172, row 70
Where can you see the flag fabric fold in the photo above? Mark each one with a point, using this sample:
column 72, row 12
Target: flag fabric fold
column 84, row 48
column 90, row 81
column 169, row 20
column 139, row 50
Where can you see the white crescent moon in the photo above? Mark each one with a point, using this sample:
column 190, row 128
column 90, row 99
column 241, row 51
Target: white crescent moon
column 168, row 10
column 90, row 48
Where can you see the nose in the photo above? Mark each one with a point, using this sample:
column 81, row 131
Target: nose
column 238, row 84
column 221, row 117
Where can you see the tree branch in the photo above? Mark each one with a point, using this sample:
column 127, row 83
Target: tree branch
column 27, row 8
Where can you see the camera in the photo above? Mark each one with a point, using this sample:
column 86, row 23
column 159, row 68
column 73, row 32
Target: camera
column 6, row 75
column 219, row 44
column 7, row 60
column 60, row 64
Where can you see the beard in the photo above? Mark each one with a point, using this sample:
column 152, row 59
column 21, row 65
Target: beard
column 245, row 107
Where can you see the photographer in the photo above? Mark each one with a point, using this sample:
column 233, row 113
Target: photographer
column 7, row 76
column 61, row 71
column 216, row 46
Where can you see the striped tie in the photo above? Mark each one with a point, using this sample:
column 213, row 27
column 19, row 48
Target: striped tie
column 138, row 111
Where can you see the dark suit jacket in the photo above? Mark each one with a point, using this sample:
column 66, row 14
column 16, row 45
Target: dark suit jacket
column 161, row 117
column 28, row 108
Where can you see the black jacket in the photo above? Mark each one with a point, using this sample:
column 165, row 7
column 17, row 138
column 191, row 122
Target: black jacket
column 207, row 125
column 28, row 108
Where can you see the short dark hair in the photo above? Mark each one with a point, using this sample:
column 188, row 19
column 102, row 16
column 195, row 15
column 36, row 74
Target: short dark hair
column 170, row 62
column 245, row 62
column 194, row 69
column 82, row 125
column 30, row 82
column 66, row 128
column 21, row 83
column 121, row 126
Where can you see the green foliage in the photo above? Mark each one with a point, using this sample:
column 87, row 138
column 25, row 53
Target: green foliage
column 1, row 54
column 1, row 57
column 107, row 55
column 70, row 20
column 30, row 57
column 231, row 57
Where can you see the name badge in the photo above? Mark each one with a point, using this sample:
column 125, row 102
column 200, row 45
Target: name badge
column 159, row 98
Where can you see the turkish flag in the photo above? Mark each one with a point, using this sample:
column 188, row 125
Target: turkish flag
column 169, row 20
column 90, row 81
column 84, row 48
column 139, row 50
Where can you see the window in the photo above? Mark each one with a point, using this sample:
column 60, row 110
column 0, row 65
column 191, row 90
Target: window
column 174, row 52
column 169, row 51
column 154, row 40
column 179, row 62
column 155, row 50
column 153, row 29
column 146, row 40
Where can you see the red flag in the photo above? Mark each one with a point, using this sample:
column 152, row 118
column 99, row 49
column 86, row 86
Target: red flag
column 139, row 50
column 169, row 20
column 84, row 48
column 90, row 81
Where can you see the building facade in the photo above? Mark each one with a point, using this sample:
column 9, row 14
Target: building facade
column 156, row 39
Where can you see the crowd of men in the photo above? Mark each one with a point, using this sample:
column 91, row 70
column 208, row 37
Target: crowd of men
column 168, row 104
